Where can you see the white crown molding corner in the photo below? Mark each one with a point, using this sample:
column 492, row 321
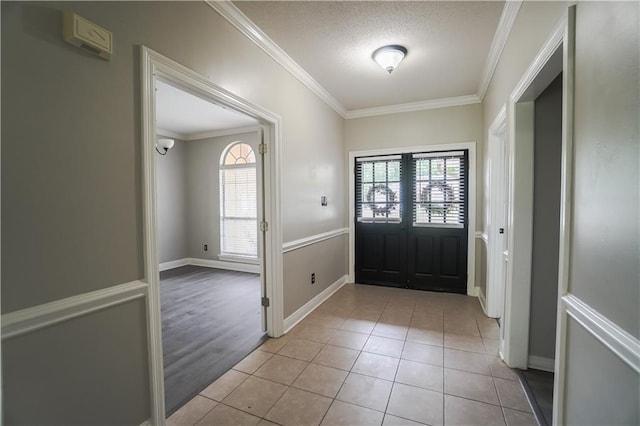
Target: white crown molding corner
column 307, row 308
column 413, row 106
column 45, row 315
column 620, row 342
column 235, row 17
column 542, row 363
column 507, row 19
column 313, row 239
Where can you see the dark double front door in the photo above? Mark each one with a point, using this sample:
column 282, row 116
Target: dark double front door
column 411, row 221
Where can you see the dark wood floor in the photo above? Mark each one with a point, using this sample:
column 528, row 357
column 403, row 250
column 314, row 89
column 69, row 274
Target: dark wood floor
column 539, row 386
column 211, row 319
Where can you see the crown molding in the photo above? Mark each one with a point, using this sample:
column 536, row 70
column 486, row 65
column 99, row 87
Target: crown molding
column 414, row 106
column 171, row 134
column 239, row 20
column 224, row 132
column 507, row 19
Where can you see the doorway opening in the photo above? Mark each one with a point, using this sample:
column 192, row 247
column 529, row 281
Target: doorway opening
column 214, row 272
column 209, row 198
column 537, row 158
column 413, row 217
column 411, row 220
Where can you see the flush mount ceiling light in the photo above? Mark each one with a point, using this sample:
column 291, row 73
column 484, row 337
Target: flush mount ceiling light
column 388, row 57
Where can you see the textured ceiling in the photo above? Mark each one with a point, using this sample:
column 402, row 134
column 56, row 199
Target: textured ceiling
column 448, row 43
column 185, row 114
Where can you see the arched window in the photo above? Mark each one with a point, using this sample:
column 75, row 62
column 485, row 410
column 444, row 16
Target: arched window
column 238, row 201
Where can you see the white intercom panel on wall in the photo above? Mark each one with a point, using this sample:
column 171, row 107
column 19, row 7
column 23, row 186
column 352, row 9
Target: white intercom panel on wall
column 87, row 35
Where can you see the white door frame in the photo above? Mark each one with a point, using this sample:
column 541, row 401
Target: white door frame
column 471, row 202
column 514, row 347
column 497, row 183
column 155, row 65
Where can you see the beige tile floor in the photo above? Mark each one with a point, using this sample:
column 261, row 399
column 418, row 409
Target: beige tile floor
column 372, row 356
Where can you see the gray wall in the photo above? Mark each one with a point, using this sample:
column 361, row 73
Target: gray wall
column 89, row 370
column 328, row 259
column 602, row 390
column 203, row 189
column 172, row 203
column 599, row 388
column 605, row 254
column 72, row 216
column 546, row 220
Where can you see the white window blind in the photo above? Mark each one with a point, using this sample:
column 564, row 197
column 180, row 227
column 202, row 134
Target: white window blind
column 238, row 204
column 378, row 188
column 438, row 189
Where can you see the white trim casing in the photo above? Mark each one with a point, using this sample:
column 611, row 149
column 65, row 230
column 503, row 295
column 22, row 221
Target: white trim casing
column 413, row 106
column 153, row 65
column 307, row 241
column 616, row 339
column 566, row 208
column 507, row 19
column 541, row 363
column 496, row 215
column 520, row 120
column 48, row 314
column 471, row 247
column 308, row 307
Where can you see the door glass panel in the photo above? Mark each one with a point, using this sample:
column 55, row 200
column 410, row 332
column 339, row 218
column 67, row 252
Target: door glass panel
column 378, row 189
column 438, row 189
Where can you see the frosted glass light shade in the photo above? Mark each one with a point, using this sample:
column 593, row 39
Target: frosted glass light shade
column 388, row 57
column 166, row 144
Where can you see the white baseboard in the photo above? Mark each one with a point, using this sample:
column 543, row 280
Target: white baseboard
column 165, row 266
column 483, row 300
column 474, row 292
column 146, row 423
column 542, row 363
column 307, row 308
column 221, row 264
column 209, row 263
